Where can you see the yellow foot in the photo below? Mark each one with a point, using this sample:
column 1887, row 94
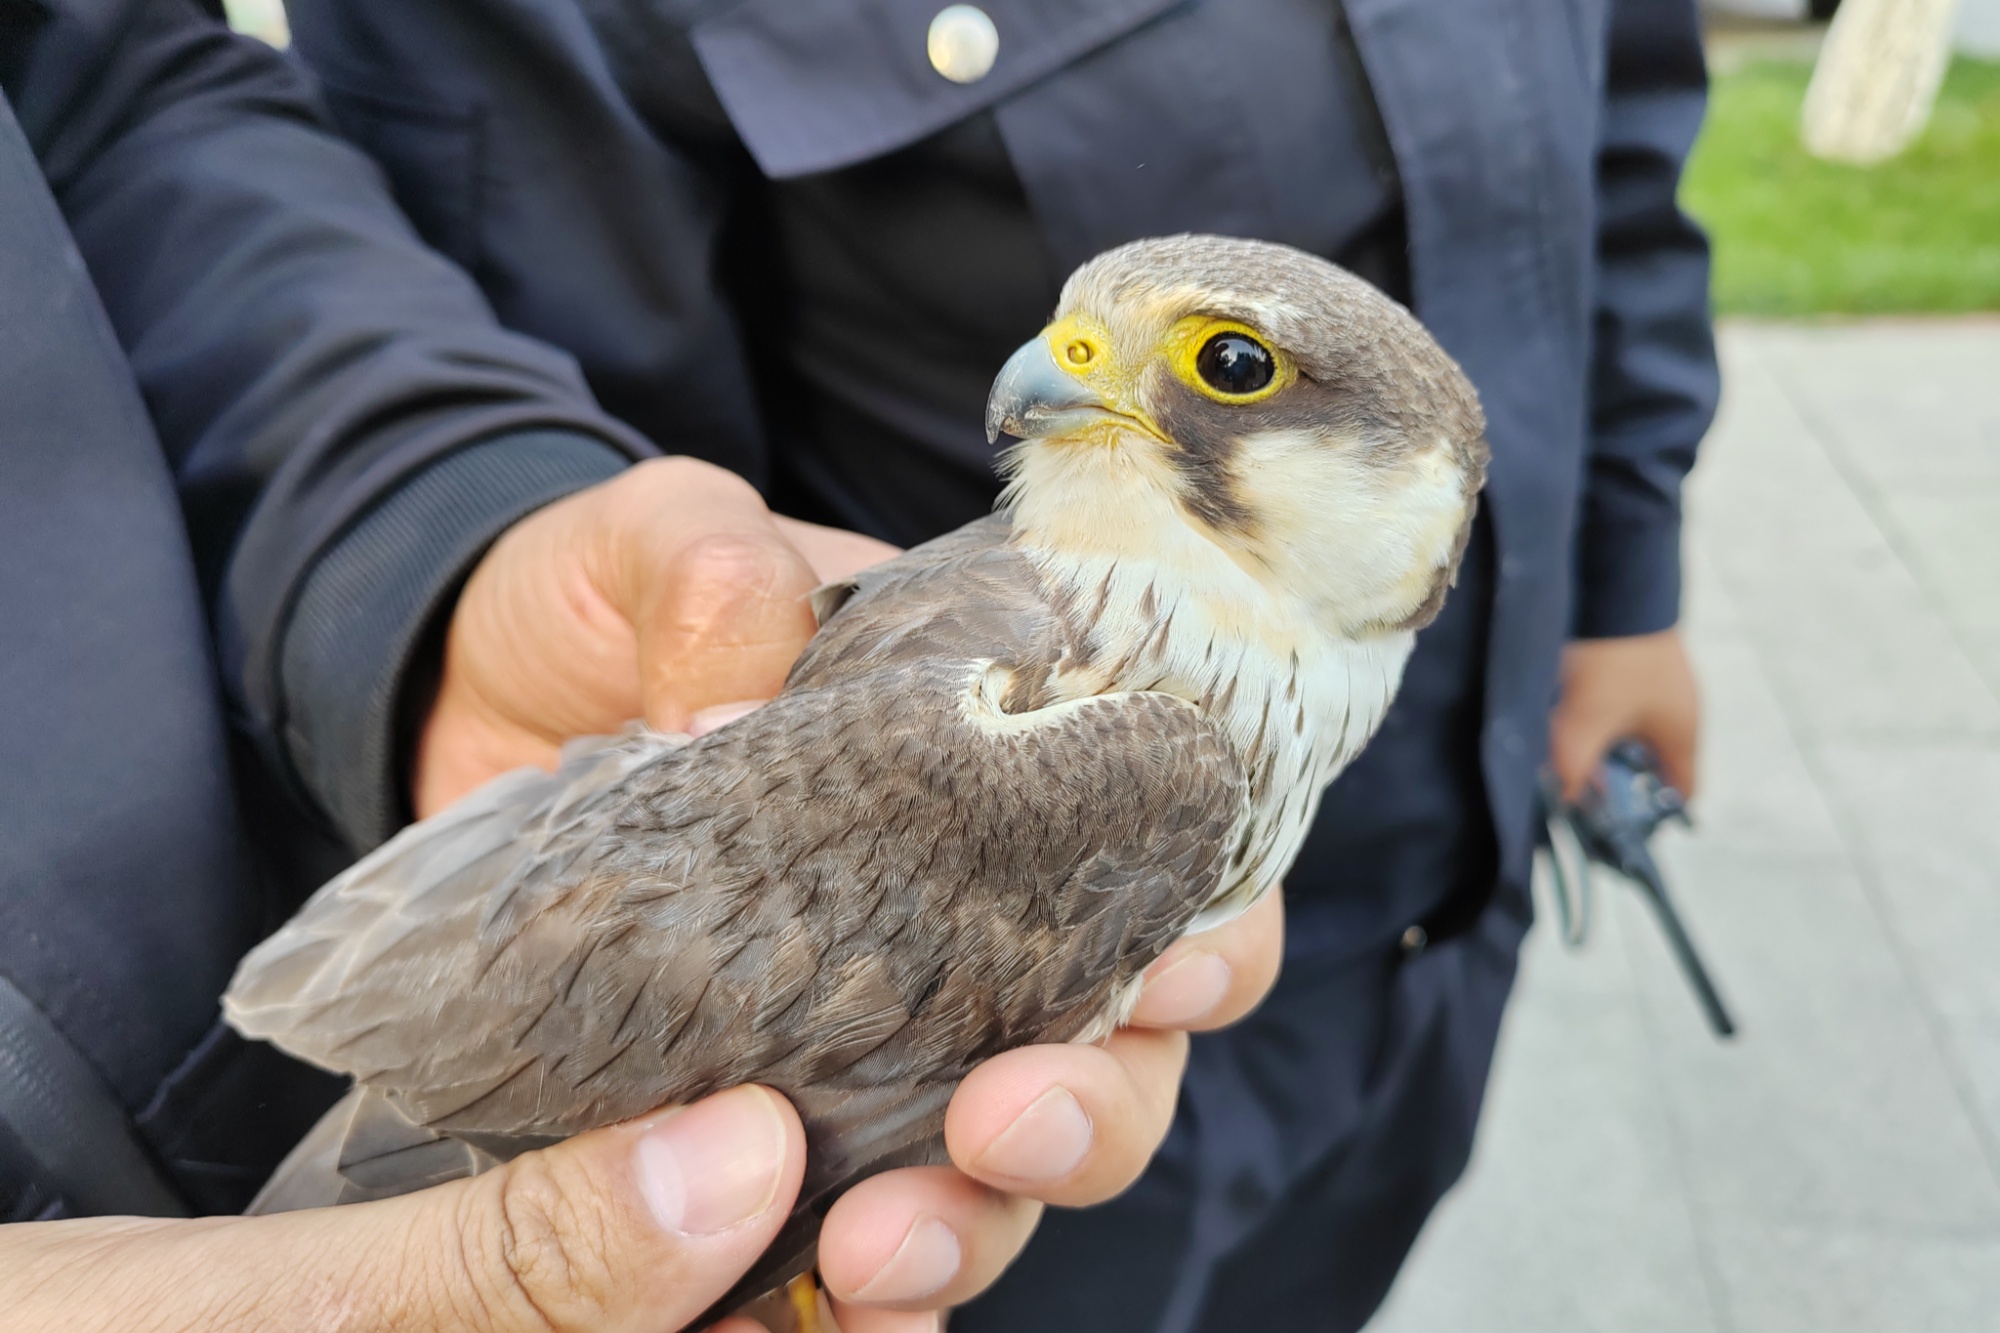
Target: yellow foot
column 804, row 1293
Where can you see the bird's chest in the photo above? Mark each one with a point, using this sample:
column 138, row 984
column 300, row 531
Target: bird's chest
column 1295, row 731
column 1296, row 704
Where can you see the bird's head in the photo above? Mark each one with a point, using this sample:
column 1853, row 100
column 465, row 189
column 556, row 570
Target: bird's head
column 1261, row 400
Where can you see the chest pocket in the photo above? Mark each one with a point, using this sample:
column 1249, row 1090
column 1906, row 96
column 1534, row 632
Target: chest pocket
column 815, row 87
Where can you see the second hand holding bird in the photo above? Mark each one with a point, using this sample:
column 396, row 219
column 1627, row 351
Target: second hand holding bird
column 671, row 593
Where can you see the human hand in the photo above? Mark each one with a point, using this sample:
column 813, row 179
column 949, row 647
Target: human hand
column 663, row 592
column 1642, row 687
column 638, row 1227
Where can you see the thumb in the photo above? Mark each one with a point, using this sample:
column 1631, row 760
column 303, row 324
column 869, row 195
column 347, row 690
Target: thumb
column 640, row 1227
column 720, row 620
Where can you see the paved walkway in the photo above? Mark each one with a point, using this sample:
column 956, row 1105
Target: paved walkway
column 1837, row 1168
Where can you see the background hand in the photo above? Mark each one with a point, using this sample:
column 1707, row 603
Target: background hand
column 1641, row 687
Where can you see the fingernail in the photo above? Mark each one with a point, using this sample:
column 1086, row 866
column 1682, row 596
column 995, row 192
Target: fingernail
column 721, row 715
column 1187, row 992
column 1045, row 1143
column 715, row 1165
column 927, row 1259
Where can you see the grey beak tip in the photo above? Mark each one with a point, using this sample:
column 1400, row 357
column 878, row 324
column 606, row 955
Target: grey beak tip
column 1029, row 391
column 1009, row 397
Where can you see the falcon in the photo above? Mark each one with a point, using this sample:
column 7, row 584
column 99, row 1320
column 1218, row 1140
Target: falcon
column 1011, row 768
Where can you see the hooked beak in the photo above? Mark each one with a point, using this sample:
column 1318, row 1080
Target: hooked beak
column 1034, row 398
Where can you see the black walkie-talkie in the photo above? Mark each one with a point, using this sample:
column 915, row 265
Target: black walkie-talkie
column 1612, row 825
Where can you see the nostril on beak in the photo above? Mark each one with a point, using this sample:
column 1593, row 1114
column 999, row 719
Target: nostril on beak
column 1080, row 352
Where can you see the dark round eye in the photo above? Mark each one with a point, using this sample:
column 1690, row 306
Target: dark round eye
column 1234, row 363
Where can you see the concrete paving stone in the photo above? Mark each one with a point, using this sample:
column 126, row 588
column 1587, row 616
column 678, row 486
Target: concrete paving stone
column 1708, row 611
column 1823, row 1280
column 1928, row 817
column 1974, row 1036
column 1843, row 626
column 1906, row 403
column 1953, row 542
column 1756, row 791
column 1836, row 1059
column 1778, row 927
column 1834, row 1106
column 1573, row 1216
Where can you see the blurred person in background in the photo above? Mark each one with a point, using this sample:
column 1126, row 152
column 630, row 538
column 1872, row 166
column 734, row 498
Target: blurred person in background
column 797, row 240
column 261, row 455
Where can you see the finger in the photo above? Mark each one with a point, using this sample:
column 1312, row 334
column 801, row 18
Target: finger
column 1579, row 736
column 920, row 1238
column 1674, row 735
column 716, row 597
column 724, row 619
column 1072, row 1124
column 1210, row 980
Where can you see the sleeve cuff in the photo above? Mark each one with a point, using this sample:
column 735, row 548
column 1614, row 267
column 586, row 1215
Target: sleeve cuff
column 1629, row 581
column 361, row 624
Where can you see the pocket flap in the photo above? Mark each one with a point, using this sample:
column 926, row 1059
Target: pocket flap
column 828, row 83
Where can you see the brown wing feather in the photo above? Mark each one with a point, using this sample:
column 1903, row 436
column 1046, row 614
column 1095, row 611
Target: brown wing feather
column 853, row 894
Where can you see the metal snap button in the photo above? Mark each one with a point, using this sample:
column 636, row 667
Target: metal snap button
column 963, row 43
column 1414, row 939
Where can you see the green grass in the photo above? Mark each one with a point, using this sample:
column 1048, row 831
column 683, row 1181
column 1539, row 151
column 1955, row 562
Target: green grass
column 1797, row 236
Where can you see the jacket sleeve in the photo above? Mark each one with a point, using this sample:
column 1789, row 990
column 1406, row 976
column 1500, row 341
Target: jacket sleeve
column 1654, row 376
column 348, row 424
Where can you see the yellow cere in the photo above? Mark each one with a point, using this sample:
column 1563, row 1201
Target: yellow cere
column 1080, row 346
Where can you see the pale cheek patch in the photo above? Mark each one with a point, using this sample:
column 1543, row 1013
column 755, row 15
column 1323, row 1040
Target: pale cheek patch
column 1435, row 501
column 1339, row 530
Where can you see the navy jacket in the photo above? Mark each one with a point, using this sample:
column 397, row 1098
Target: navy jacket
column 238, row 398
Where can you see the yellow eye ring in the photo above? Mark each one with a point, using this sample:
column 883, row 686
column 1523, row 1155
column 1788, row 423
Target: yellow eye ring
column 1212, row 356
